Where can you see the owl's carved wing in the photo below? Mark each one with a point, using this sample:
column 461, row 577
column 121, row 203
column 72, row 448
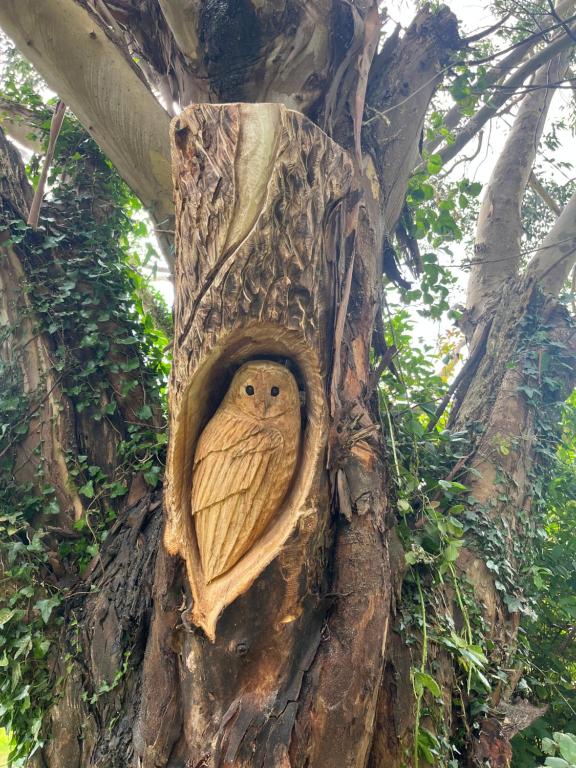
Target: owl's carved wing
column 232, row 498
column 231, row 457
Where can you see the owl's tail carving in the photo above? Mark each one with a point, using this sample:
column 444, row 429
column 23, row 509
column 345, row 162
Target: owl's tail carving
column 226, row 532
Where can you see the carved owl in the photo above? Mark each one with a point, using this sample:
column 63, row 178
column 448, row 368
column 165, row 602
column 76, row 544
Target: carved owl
column 244, row 463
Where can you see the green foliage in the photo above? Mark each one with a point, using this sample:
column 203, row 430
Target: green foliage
column 437, row 517
column 561, row 750
column 437, row 209
column 430, row 502
column 549, row 639
column 19, row 81
column 108, row 335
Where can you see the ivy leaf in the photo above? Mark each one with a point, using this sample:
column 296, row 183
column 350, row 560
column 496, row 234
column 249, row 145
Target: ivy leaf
column 46, row 607
column 6, row 614
column 567, row 744
column 451, row 551
column 549, row 746
column 87, row 490
column 145, row 412
column 513, row 603
column 422, row 680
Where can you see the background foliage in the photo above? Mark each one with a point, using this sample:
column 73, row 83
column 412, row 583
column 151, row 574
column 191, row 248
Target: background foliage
column 106, row 273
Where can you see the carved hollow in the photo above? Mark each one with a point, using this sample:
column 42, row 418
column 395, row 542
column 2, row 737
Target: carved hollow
column 260, row 202
column 212, row 378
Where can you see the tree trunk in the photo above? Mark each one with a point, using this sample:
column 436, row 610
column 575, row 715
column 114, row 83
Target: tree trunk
column 284, row 658
column 264, row 244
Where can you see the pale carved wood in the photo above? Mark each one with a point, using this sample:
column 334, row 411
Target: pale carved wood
column 260, row 197
column 244, row 463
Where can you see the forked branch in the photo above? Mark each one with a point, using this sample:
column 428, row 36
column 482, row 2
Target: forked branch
column 499, row 228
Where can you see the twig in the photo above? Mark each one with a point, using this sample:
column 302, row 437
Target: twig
column 55, row 126
column 554, row 14
column 485, row 32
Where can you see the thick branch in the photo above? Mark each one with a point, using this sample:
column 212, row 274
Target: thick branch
column 499, row 228
column 557, row 254
column 85, row 68
column 395, row 113
column 263, row 52
column 182, row 18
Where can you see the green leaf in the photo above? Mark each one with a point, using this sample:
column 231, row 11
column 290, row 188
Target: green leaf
column 434, row 164
column 46, row 607
column 452, row 550
column 145, row 412
column 6, row 614
column 87, row 490
column 567, row 744
column 549, row 746
column 422, row 680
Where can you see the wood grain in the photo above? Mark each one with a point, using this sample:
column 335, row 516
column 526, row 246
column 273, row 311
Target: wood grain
column 244, row 463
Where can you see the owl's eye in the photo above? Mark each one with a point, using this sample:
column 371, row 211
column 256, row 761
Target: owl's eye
column 275, row 391
column 250, row 390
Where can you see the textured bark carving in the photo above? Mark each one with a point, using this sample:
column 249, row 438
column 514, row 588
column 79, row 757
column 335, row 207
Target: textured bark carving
column 259, row 199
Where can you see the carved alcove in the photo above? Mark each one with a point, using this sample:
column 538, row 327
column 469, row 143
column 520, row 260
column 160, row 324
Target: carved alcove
column 199, row 402
column 262, row 204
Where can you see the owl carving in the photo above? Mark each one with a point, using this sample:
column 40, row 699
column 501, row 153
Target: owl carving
column 244, row 463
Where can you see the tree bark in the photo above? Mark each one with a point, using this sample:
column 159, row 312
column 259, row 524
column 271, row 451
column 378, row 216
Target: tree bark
column 285, row 659
column 263, row 247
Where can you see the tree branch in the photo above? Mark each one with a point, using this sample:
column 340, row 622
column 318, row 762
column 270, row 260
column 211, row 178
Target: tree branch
column 395, row 115
column 56, row 125
column 515, row 80
column 557, row 255
column 517, row 54
column 20, row 123
column 499, row 227
column 537, row 186
column 80, row 62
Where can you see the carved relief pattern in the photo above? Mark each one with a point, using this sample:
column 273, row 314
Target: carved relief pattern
column 260, row 197
column 244, row 462
column 235, row 270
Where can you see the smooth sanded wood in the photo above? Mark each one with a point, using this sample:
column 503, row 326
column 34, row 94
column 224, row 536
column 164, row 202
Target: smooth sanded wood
column 244, row 463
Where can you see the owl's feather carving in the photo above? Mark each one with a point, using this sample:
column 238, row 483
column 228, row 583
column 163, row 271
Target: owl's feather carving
column 244, row 463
